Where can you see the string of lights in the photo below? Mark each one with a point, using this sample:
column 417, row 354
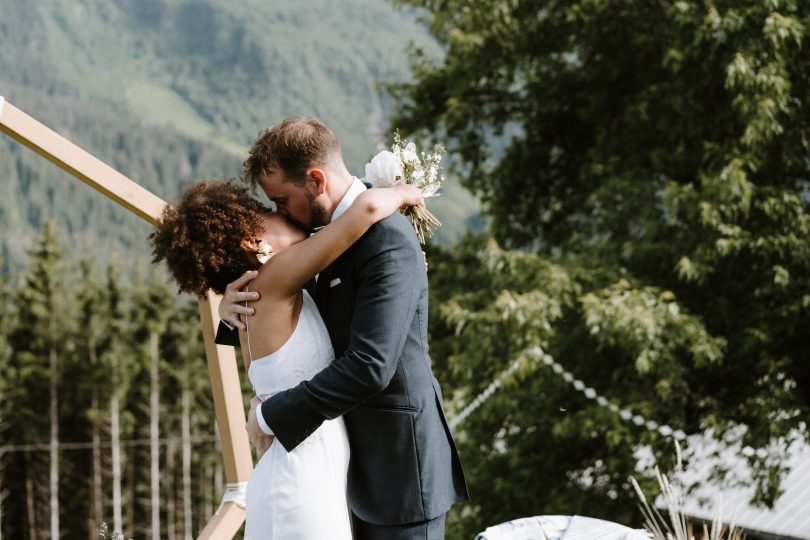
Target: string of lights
column 538, row 355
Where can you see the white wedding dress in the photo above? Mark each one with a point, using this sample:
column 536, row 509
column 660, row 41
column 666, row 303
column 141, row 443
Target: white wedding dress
column 299, row 495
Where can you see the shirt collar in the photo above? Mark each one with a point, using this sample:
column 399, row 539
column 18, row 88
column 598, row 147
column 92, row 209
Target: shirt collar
column 356, row 188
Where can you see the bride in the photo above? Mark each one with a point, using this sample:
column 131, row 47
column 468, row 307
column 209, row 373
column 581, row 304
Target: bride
column 212, row 236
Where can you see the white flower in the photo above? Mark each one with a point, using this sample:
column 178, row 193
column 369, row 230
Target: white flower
column 404, row 165
column 264, row 252
column 409, row 154
column 384, row 170
column 431, row 190
column 433, row 173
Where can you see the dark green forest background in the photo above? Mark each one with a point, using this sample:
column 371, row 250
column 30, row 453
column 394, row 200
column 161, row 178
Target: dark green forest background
column 642, row 168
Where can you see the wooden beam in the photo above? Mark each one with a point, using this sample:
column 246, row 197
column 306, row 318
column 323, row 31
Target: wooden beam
column 228, row 404
column 227, row 397
column 225, row 523
column 78, row 163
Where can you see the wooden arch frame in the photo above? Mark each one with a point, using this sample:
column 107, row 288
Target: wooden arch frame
column 230, row 414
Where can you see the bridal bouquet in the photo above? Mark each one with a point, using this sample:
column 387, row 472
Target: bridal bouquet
column 402, row 165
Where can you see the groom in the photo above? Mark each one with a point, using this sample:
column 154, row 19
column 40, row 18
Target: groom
column 404, row 473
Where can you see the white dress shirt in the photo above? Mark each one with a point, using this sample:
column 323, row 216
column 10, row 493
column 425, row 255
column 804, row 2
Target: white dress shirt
column 355, row 189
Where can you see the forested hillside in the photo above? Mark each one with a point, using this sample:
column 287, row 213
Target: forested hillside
column 33, row 189
column 172, row 91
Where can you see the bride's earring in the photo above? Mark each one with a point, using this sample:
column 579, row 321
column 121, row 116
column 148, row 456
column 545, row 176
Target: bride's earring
column 264, row 252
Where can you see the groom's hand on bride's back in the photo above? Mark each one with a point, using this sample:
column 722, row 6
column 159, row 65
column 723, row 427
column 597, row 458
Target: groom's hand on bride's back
column 260, row 440
column 232, row 304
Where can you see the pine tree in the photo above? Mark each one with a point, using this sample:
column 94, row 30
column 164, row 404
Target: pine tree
column 194, row 412
column 38, row 341
column 92, row 380
column 151, row 310
column 6, row 391
column 112, row 356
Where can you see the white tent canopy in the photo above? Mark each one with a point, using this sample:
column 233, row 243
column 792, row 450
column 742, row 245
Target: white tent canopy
column 561, row 528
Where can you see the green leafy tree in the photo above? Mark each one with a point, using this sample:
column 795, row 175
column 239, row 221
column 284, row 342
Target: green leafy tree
column 537, row 445
column 656, row 155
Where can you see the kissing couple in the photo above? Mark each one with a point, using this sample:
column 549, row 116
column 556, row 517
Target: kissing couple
column 347, row 418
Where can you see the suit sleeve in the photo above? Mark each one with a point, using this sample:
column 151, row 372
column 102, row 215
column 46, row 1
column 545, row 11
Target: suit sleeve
column 226, row 335
column 386, row 301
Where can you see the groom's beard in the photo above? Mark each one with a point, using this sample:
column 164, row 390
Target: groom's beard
column 317, row 214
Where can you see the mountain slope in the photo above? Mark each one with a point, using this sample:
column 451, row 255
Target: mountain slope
column 206, row 75
column 32, row 189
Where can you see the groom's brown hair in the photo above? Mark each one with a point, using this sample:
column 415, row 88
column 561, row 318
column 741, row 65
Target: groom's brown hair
column 293, row 145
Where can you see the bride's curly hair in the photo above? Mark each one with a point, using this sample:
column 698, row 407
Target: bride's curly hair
column 200, row 237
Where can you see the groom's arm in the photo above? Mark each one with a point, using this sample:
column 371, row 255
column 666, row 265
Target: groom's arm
column 388, row 259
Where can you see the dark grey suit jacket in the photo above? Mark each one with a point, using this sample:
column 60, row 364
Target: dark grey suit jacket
column 374, row 300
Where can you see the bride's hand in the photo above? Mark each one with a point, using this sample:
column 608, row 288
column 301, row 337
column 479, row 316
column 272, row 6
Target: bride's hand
column 410, row 195
column 231, row 304
column 382, row 202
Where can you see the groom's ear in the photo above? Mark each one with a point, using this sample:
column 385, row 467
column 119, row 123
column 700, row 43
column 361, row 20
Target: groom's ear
column 316, row 181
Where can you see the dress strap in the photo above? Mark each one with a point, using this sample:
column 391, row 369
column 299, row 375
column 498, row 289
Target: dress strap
column 247, row 331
